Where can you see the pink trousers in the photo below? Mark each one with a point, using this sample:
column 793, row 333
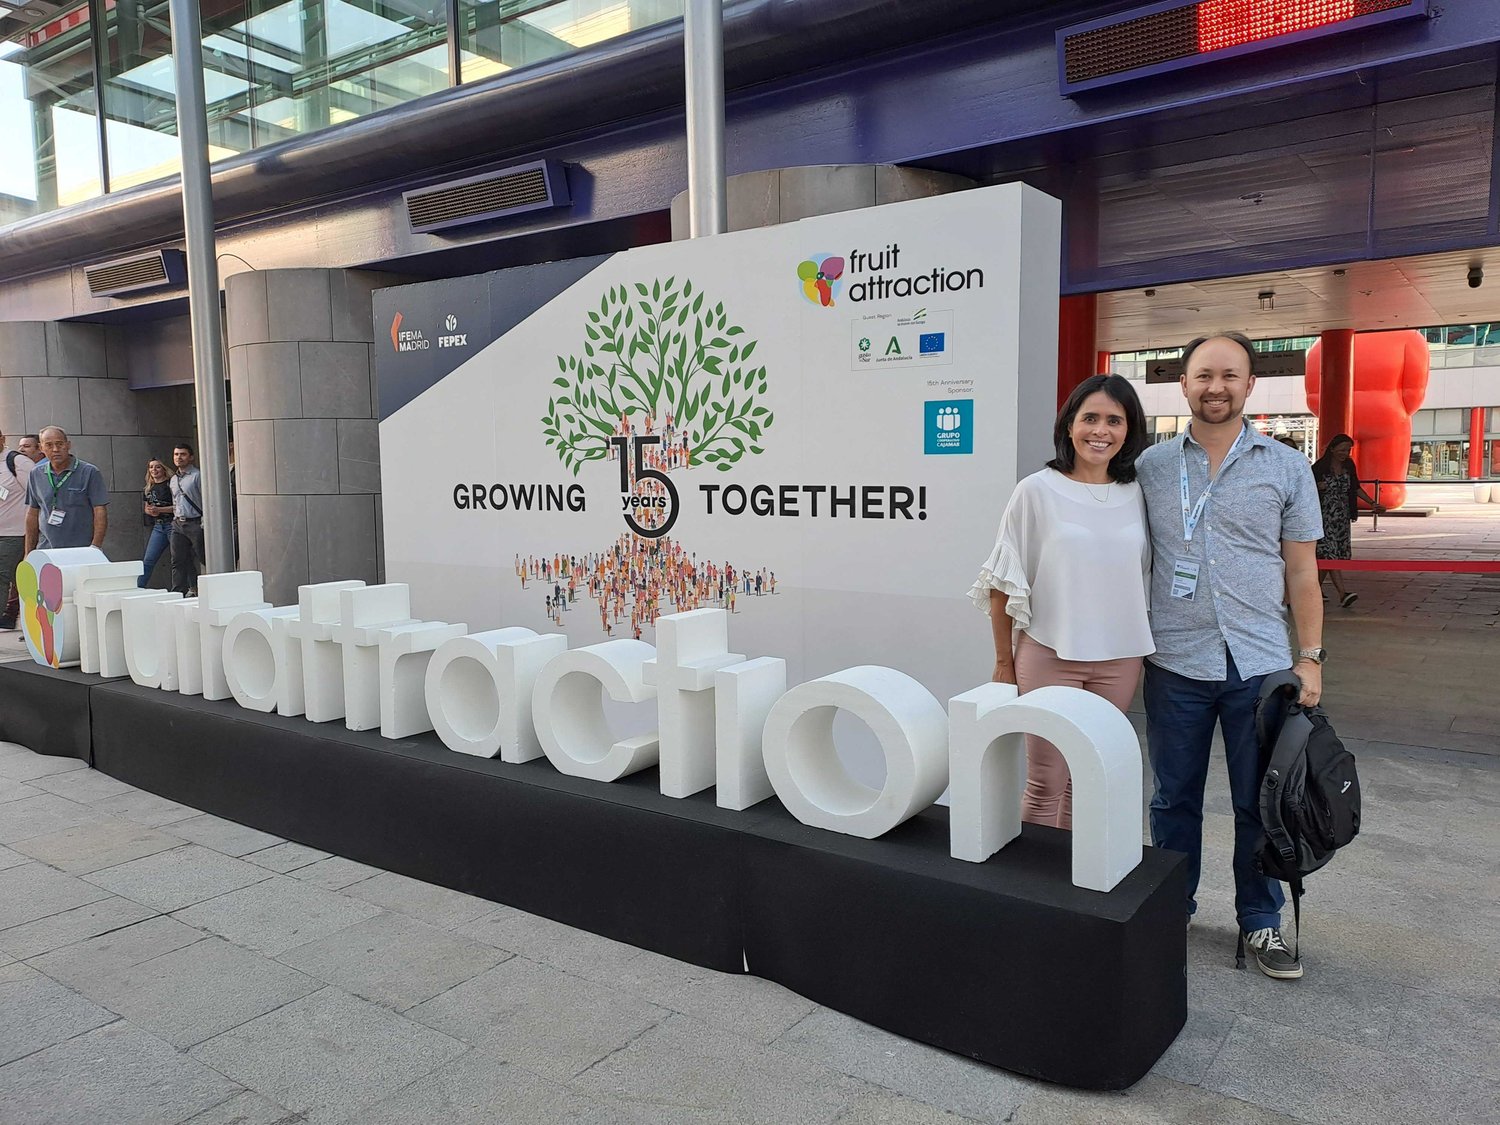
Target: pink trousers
column 1049, row 788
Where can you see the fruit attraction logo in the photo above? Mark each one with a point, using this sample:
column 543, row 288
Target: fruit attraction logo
column 41, row 593
column 822, row 278
column 872, row 276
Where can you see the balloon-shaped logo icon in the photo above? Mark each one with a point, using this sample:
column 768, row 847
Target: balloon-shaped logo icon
column 821, row 278
column 41, row 608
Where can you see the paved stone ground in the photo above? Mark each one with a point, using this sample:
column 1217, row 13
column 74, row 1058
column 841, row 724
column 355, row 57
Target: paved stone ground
column 1417, row 657
column 162, row 965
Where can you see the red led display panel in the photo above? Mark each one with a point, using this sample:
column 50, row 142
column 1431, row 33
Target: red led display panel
column 1176, row 33
column 1228, row 23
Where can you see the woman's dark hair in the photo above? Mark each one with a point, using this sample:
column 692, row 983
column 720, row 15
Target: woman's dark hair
column 1324, row 464
column 1117, row 387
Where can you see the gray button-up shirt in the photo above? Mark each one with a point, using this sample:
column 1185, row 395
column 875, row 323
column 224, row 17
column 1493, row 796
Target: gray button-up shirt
column 1264, row 494
column 187, row 494
column 75, row 492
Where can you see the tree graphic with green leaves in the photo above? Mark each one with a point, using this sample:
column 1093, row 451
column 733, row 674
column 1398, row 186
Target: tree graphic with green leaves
column 658, row 349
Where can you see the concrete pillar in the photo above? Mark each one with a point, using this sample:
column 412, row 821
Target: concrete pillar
column 307, row 452
column 73, row 375
column 783, row 195
column 1077, row 351
column 1476, row 442
column 1336, row 385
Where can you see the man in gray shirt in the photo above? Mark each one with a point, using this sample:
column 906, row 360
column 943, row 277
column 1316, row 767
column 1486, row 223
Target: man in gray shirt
column 1235, row 521
column 187, row 521
column 67, row 502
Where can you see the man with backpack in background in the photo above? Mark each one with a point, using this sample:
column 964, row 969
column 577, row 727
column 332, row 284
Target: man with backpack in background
column 17, row 467
column 1235, row 521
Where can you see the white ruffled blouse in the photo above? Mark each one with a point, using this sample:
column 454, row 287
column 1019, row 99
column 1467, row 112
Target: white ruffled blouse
column 1074, row 560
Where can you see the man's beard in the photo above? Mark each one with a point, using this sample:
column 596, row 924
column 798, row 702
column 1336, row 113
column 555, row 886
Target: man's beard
column 1201, row 412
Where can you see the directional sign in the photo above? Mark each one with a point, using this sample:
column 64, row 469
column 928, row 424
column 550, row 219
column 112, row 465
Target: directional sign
column 1268, row 365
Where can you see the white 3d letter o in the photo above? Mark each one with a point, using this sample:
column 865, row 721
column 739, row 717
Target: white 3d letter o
column 803, row 762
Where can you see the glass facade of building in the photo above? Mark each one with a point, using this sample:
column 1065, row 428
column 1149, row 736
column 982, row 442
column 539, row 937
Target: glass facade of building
column 1440, row 437
column 273, row 69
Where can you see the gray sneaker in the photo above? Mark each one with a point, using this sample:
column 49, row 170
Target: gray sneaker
column 1271, row 955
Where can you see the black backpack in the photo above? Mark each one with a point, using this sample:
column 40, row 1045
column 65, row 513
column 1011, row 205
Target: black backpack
column 1309, row 789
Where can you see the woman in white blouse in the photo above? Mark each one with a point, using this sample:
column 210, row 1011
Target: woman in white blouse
column 1066, row 586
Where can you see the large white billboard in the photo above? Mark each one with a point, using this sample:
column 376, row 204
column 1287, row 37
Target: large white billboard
column 815, row 426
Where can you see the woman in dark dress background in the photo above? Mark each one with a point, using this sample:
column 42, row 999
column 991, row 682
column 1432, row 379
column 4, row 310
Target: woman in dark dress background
column 156, row 514
column 1339, row 492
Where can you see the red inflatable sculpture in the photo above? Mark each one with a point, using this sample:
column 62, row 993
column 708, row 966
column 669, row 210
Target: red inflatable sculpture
column 1390, row 382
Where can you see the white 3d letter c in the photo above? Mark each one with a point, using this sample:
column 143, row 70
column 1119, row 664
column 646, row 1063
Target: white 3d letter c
column 569, row 710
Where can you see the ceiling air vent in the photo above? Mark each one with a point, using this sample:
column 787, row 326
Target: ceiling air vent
column 493, row 195
column 131, row 275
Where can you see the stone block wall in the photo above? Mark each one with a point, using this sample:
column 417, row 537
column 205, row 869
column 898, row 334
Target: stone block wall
column 73, row 375
column 783, row 195
column 307, row 450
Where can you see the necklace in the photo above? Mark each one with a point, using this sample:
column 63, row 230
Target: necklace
column 1090, row 489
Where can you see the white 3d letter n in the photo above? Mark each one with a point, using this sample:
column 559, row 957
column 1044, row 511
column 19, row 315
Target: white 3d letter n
column 989, row 775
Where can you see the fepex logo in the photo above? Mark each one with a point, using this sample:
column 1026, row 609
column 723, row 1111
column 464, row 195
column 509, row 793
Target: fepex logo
column 407, row 339
column 821, row 278
column 453, row 339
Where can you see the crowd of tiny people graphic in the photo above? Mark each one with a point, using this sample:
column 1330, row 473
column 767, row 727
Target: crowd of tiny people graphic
column 670, row 452
column 637, row 580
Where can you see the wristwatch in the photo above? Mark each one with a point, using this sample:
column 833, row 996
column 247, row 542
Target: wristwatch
column 1316, row 655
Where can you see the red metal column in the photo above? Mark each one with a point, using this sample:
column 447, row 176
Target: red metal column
column 1476, row 442
column 1077, row 355
column 1102, row 366
column 1336, row 385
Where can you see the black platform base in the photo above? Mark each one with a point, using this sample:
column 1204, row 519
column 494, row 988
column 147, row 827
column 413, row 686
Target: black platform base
column 46, row 709
column 1003, row 961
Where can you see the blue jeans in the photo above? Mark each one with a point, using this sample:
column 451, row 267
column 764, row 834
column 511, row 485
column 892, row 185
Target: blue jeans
column 1180, row 715
column 156, row 545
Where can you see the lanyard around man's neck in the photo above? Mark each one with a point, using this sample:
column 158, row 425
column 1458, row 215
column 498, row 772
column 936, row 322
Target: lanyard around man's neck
column 1191, row 517
column 57, row 484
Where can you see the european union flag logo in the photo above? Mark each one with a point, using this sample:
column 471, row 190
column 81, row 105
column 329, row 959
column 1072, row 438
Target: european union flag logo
column 930, row 343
